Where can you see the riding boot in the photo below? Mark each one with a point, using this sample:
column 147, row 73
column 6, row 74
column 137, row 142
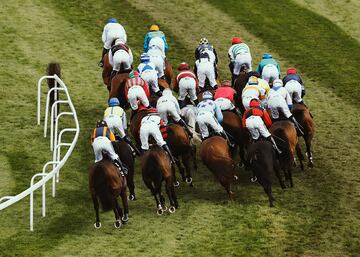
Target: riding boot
column 297, row 125
column 181, row 103
column 131, row 144
column 158, row 93
column 120, row 166
column 101, row 63
column 225, row 136
column 271, row 140
column 167, row 149
column 215, row 87
column 182, row 123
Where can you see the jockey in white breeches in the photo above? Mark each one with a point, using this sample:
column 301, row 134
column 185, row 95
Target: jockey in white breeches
column 252, row 90
column 294, row 88
column 279, row 100
column 120, row 55
column 156, row 57
column 270, row 72
column 168, row 105
column 239, row 54
column 148, row 72
column 205, row 69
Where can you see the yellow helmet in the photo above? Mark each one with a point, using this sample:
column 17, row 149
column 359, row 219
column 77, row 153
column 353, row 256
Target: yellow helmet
column 253, row 80
column 154, row 27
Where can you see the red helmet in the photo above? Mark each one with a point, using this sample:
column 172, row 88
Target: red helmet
column 236, row 40
column 254, row 102
column 183, row 66
column 291, row 70
column 226, row 83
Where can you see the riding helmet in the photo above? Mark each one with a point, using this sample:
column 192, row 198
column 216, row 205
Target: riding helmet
column 133, row 74
column 254, row 102
column 101, row 123
column 203, row 41
column 267, row 56
column 114, row 102
column 144, row 57
column 183, row 66
column 236, row 40
column 253, row 80
column 277, row 83
column 112, row 20
column 154, row 27
column 291, row 70
column 207, row 95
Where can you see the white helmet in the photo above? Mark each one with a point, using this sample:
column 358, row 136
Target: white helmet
column 277, row 83
column 207, row 95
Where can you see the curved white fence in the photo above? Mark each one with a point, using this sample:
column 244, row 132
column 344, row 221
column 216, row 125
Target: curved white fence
column 56, row 144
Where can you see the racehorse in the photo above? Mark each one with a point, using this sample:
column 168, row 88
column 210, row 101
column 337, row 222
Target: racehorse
column 124, row 152
column 215, row 154
column 106, row 184
column 180, row 146
column 168, row 72
column 118, row 89
column 263, row 162
column 106, row 71
column 303, row 116
column 285, row 136
column 156, row 167
column 135, row 124
column 53, row 69
column 232, row 125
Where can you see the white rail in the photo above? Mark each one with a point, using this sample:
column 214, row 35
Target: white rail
column 55, row 145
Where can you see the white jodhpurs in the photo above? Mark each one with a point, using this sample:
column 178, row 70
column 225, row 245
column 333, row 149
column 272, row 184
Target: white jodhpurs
column 294, row 88
column 151, row 78
column 115, row 124
column 277, row 103
column 158, row 42
column 241, row 59
column 166, row 107
column 187, row 86
column 159, row 63
column 121, row 57
column 147, row 129
column 205, row 69
column 225, row 104
column 103, row 144
column 270, row 73
column 135, row 94
column 256, row 127
column 205, row 119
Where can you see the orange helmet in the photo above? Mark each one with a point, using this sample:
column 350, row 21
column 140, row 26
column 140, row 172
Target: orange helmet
column 236, row 40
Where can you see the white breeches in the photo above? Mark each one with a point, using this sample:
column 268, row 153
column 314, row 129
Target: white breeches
column 150, row 129
column 103, row 144
column 115, row 124
column 189, row 113
column 165, row 108
column 241, row 59
column 276, row 103
column 135, row 94
column 113, row 35
column 270, row 72
column 225, row 104
column 151, row 78
column 187, row 86
column 205, row 119
column 157, row 41
column 159, row 63
column 121, row 57
column 205, row 69
column 294, row 88
column 257, row 127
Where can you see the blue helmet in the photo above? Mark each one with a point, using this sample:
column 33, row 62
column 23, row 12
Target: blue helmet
column 144, row 57
column 114, row 102
column 112, row 20
column 207, row 95
column 267, row 56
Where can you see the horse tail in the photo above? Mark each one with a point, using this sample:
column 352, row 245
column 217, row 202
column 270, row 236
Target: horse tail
column 283, row 143
column 102, row 187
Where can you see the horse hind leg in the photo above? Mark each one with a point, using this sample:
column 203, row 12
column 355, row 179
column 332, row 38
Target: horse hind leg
column 300, row 156
column 193, row 150
column 186, row 162
column 97, row 223
column 308, row 150
column 125, row 216
column 117, row 212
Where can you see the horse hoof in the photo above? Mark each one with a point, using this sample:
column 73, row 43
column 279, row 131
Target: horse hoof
column 117, row 224
column 131, row 198
column 236, row 177
column 241, row 165
column 172, row 209
column 176, row 184
column 253, row 179
column 189, row 180
column 311, row 165
column 125, row 218
column 97, row 225
column 164, row 209
column 159, row 212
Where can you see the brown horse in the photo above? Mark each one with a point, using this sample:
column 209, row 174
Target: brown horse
column 124, row 152
column 156, row 167
column 232, row 125
column 285, row 135
column 168, row 72
column 303, row 116
column 106, row 71
column 135, row 124
column 106, row 184
column 215, row 154
column 118, row 89
column 263, row 163
column 180, row 146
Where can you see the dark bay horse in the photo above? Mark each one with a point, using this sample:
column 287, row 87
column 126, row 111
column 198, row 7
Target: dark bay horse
column 52, row 69
column 124, row 152
column 285, row 136
column 264, row 162
column 181, row 146
column 135, row 124
column 215, row 154
column 156, row 167
column 118, row 89
column 303, row 116
column 106, row 184
column 106, row 71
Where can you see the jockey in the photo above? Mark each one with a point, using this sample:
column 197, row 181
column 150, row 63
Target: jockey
column 252, row 90
column 115, row 117
column 153, row 125
column 294, row 89
column 207, row 108
column 120, row 56
column 224, row 96
column 239, row 54
column 206, row 51
column 268, row 68
column 148, row 72
column 157, row 38
column 279, row 99
column 137, row 90
column 187, row 83
column 158, row 59
column 291, row 74
column 112, row 31
column 189, row 112
column 101, row 141
column 257, row 121
column 168, row 105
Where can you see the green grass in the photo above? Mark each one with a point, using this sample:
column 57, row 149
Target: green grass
column 318, row 217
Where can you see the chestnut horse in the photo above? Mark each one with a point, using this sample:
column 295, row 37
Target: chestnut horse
column 215, row 154
column 118, row 89
column 124, row 152
column 106, row 184
column 168, row 72
column 285, row 136
column 263, row 162
column 106, row 71
column 303, row 116
column 180, row 146
column 156, row 167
